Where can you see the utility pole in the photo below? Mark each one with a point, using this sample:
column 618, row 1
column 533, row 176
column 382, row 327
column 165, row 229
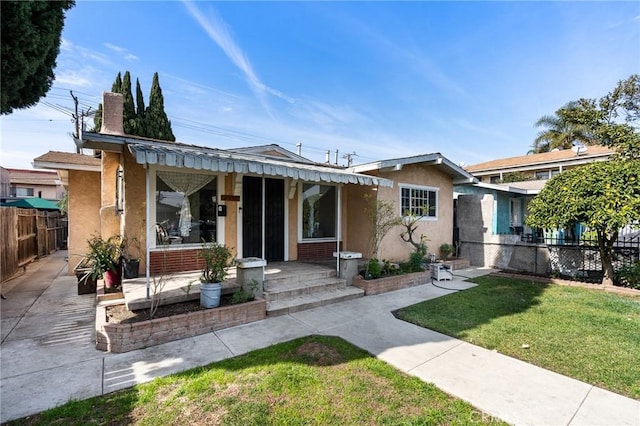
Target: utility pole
column 78, row 119
column 349, row 157
column 75, row 119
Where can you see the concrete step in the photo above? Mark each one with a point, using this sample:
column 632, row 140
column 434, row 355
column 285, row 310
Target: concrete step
column 305, row 275
column 286, row 290
column 310, row 301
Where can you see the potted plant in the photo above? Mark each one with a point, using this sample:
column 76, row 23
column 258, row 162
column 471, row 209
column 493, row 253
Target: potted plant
column 86, row 283
column 104, row 258
column 216, row 259
column 446, row 250
column 131, row 252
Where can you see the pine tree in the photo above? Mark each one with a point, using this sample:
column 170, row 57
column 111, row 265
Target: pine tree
column 30, row 45
column 129, row 111
column 140, row 112
column 157, row 123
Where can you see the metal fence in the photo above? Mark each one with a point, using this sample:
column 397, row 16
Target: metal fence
column 577, row 260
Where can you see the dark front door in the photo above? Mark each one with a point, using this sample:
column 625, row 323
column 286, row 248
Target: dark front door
column 274, row 219
column 251, row 217
column 255, row 219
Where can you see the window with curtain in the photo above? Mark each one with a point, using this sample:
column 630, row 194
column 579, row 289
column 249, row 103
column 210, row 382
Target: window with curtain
column 419, row 201
column 318, row 211
column 186, row 207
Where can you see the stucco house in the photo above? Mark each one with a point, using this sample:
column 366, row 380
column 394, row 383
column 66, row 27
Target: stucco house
column 17, row 184
column 263, row 201
column 507, row 185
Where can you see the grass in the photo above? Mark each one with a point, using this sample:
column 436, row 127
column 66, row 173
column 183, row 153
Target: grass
column 585, row 334
column 309, row 381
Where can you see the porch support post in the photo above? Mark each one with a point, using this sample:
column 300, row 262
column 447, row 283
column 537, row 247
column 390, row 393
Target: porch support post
column 250, row 273
column 148, row 223
column 339, row 232
column 348, row 265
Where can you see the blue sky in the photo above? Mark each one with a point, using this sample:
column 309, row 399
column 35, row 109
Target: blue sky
column 381, row 79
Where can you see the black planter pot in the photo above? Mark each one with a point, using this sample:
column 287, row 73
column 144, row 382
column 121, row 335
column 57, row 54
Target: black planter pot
column 86, row 283
column 131, row 268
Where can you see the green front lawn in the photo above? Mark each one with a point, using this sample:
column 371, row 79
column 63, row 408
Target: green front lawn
column 310, row 381
column 585, row 334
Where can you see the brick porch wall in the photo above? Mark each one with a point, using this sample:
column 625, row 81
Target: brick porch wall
column 168, row 261
column 313, row 251
column 120, row 338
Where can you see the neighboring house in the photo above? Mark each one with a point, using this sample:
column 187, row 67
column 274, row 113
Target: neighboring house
column 506, row 200
column 538, row 166
column 32, row 184
column 263, row 201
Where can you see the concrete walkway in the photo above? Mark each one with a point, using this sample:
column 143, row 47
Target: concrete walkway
column 47, row 355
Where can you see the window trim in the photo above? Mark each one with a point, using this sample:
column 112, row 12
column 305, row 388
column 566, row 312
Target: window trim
column 402, row 186
column 151, row 233
column 301, row 238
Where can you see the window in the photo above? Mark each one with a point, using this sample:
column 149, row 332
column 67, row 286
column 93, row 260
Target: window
column 185, row 207
column 516, row 212
column 22, row 192
column 555, row 173
column 494, row 179
column 318, row 211
column 542, row 175
column 419, row 201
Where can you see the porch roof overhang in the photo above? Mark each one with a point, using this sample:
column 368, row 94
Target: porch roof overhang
column 457, row 173
column 202, row 158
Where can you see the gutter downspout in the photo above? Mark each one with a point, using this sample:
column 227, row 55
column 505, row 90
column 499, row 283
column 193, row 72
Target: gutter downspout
column 148, row 221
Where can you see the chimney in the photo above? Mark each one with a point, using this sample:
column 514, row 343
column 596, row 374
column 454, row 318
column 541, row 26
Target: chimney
column 112, row 113
column 327, row 157
column 299, row 146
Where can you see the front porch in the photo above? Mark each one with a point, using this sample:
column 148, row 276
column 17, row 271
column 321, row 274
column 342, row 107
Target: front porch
column 288, row 287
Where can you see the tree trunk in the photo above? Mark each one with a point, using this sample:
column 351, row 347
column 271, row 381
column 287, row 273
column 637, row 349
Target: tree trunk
column 606, row 255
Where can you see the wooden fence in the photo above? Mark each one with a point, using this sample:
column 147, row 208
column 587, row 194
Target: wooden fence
column 26, row 235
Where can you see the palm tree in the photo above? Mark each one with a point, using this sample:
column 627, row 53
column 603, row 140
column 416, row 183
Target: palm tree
column 560, row 132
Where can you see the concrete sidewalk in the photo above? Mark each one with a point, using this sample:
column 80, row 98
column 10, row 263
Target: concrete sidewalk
column 48, row 354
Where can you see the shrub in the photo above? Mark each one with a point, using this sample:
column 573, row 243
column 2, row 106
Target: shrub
column 416, row 258
column 446, row 250
column 629, row 276
column 374, row 270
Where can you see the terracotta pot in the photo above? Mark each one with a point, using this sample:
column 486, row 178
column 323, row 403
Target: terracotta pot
column 112, row 278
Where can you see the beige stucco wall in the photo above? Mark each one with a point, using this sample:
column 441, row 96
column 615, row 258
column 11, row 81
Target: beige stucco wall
column 109, row 220
column 392, row 247
column 84, row 212
column 231, row 220
column 292, row 220
column 134, row 223
column 357, row 224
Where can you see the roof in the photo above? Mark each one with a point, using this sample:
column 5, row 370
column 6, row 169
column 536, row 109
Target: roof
column 33, row 177
column 33, row 203
column 529, row 187
column 594, row 152
column 67, row 161
column 458, row 174
column 175, row 154
column 228, row 161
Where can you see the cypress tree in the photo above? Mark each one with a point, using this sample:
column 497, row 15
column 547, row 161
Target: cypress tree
column 157, row 123
column 129, row 111
column 140, row 112
column 116, row 87
column 97, row 119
